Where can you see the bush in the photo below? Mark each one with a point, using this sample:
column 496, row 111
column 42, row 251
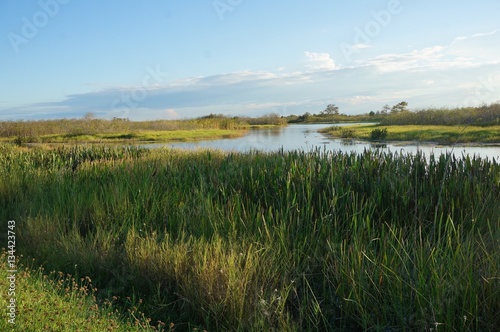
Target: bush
column 347, row 133
column 378, row 134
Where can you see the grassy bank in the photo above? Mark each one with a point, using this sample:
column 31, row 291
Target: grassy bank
column 288, row 241
column 141, row 136
column 421, row 133
column 58, row 302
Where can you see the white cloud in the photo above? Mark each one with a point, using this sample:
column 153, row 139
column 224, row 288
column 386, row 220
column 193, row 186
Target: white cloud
column 436, row 57
column 476, row 35
column 319, row 61
column 481, row 47
column 356, row 100
column 361, row 46
column 439, row 75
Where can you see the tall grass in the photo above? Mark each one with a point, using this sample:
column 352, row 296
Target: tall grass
column 41, row 130
column 485, row 115
column 285, row 241
column 449, row 135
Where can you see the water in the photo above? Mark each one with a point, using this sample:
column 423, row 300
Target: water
column 306, row 137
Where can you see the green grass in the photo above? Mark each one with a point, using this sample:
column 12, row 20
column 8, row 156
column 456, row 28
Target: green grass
column 145, row 136
column 118, row 130
column 58, row 302
column 422, row 133
column 285, row 241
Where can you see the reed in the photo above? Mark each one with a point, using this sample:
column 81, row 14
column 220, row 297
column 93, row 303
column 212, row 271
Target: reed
column 284, row 241
column 419, row 133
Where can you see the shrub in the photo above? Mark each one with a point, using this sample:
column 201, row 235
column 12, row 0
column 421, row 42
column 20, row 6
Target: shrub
column 347, row 133
column 378, row 134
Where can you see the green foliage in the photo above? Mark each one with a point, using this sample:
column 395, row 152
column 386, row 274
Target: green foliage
column 269, row 119
column 51, row 301
column 303, row 118
column 424, row 133
column 331, row 109
column 36, row 131
column 294, row 241
column 479, row 116
column 378, row 134
column 400, row 107
column 347, row 133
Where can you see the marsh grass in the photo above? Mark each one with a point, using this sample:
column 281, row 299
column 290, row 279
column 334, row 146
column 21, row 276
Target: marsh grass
column 141, row 136
column 284, row 241
column 122, row 130
column 422, row 133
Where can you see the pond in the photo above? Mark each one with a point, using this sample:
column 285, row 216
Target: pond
column 306, row 137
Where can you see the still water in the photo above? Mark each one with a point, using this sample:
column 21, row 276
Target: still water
column 306, row 137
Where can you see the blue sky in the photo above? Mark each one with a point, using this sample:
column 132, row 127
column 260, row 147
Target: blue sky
column 174, row 59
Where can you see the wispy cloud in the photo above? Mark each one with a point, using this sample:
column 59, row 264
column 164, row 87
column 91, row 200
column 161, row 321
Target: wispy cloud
column 319, row 61
column 476, row 35
column 361, row 46
column 438, row 75
column 437, row 57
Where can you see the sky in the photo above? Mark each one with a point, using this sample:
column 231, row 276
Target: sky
column 177, row 59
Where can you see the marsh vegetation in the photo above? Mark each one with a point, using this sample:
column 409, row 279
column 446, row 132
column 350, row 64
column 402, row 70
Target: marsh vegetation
column 90, row 129
column 265, row 241
column 441, row 126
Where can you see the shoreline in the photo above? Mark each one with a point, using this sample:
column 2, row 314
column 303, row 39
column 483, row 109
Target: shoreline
column 419, row 135
column 412, row 143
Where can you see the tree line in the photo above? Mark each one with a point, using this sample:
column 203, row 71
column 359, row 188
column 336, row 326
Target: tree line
column 400, row 114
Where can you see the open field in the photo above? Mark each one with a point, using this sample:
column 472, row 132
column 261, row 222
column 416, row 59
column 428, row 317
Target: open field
column 421, row 133
column 286, row 241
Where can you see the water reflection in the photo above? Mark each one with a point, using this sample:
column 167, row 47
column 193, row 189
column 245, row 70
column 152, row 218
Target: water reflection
column 378, row 145
column 306, row 137
column 347, row 142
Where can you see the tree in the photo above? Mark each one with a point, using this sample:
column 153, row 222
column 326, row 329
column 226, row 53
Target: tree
column 385, row 109
column 303, row 117
column 401, row 107
column 331, row 109
column 89, row 116
column 372, row 113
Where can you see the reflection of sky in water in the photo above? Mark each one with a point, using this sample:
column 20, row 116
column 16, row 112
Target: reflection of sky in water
column 306, row 137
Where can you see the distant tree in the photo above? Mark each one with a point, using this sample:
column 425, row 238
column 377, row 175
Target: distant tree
column 385, row 110
column 372, row 113
column 401, row 107
column 303, row 117
column 331, row 109
column 89, row 116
